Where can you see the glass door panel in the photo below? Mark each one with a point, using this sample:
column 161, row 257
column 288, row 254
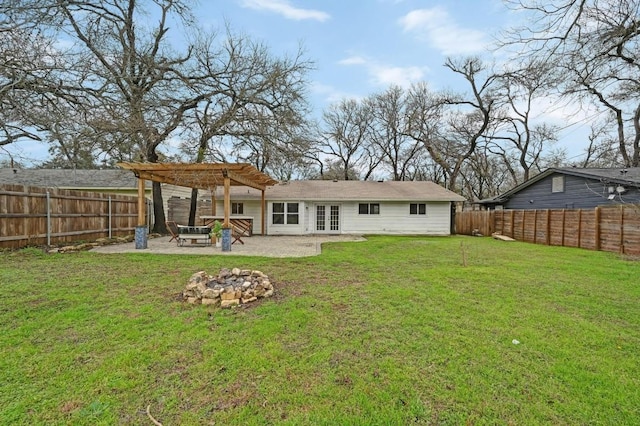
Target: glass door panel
column 320, row 218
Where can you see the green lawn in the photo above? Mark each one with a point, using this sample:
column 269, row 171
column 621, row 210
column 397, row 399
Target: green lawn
column 395, row 330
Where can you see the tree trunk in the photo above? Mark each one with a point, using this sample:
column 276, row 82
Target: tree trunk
column 159, row 227
column 194, row 207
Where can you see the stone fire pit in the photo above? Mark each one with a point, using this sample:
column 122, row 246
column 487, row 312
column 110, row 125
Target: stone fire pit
column 230, row 287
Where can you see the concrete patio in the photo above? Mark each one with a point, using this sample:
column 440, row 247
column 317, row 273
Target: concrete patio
column 268, row 246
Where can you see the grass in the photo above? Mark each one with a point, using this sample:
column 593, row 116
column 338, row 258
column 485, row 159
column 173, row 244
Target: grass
column 394, row 330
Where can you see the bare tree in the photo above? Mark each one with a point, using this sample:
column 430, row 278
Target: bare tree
column 126, row 70
column 484, row 175
column 255, row 102
column 517, row 135
column 451, row 126
column 594, row 45
column 39, row 84
column 425, row 168
column 17, row 80
column 334, row 170
column 346, row 138
column 137, row 89
column 601, row 151
column 390, row 121
column 249, row 90
column 468, row 125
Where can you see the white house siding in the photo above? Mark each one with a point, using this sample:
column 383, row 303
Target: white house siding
column 394, row 218
column 250, row 208
column 308, row 214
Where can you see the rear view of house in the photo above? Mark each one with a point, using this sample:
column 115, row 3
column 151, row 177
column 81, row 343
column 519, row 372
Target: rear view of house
column 348, row 207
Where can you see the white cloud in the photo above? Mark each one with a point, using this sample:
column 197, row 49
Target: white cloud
column 331, row 94
column 385, row 75
column 402, row 76
column 436, row 26
column 561, row 111
column 284, row 8
column 353, row 60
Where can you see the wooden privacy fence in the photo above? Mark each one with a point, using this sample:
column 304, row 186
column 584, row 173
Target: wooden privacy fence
column 179, row 208
column 610, row 228
column 49, row 216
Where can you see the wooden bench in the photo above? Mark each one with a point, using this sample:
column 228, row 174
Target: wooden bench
column 195, row 234
column 244, row 224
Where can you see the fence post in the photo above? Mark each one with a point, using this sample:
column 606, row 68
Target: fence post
column 597, row 229
column 579, row 228
column 548, row 228
column 48, row 218
column 511, row 218
column 110, row 233
column 621, row 229
column 564, row 215
column 492, row 222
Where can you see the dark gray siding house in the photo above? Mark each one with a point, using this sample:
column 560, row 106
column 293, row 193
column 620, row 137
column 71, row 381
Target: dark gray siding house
column 572, row 188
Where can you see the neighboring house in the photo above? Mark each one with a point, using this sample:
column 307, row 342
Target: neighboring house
column 571, row 188
column 347, row 207
column 110, row 181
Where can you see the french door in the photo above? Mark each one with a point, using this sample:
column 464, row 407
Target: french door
column 327, row 218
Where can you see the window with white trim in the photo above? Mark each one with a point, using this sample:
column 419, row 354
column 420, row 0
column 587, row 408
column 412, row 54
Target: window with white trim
column 237, row 208
column 418, row 208
column 369, row 208
column 285, row 214
column 557, row 184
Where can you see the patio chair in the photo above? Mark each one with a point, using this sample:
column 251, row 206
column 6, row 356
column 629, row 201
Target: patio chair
column 172, row 227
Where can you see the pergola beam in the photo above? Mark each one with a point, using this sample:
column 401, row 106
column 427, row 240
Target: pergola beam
column 246, row 181
column 206, row 176
column 201, row 175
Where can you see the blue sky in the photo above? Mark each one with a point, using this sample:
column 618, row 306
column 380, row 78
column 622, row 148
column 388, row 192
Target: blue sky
column 362, row 47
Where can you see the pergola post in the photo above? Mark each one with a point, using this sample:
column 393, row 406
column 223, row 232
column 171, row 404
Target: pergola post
column 263, row 204
column 141, row 227
column 226, row 226
column 213, row 201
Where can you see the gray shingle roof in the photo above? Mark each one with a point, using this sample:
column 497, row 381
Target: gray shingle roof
column 312, row 190
column 69, row 178
column 618, row 175
column 625, row 176
column 350, row 190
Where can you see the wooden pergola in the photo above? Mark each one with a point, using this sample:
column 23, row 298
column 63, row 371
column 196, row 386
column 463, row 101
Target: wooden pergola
column 206, row 176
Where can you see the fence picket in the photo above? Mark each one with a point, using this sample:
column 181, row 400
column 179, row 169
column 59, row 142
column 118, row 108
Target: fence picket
column 606, row 228
column 39, row 216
